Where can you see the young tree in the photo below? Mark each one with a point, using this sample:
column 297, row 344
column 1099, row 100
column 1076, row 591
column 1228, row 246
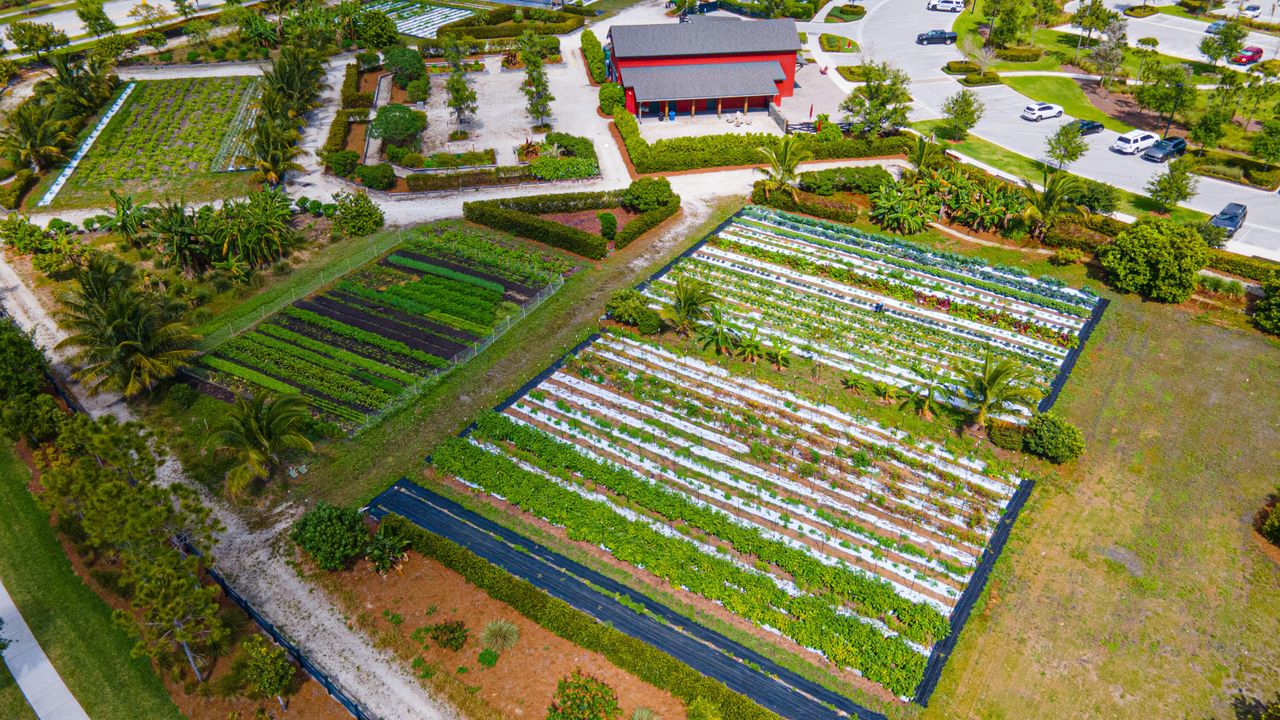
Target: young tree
column 1090, row 17
column 462, row 97
column 398, row 124
column 537, row 91
column 1168, row 89
column 882, row 103
column 1208, row 129
column 1230, row 41
column 783, row 162
column 148, row 14
column 36, row 39
column 199, row 31
column 1146, row 52
column 267, row 671
column 256, row 431
column 1266, row 143
column 1156, row 258
column 1109, row 54
column 962, row 112
column 184, row 8
column 94, row 17
column 1174, row 186
column 1066, row 145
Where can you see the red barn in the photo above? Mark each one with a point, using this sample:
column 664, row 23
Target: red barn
column 704, row 65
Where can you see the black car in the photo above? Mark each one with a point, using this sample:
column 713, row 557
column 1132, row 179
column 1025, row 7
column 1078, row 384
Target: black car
column 936, row 37
column 1230, row 218
column 1166, row 150
column 1088, row 127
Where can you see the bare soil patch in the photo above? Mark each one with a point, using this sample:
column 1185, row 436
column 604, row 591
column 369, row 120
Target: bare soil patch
column 1124, row 107
column 369, row 81
column 588, row 220
column 356, row 136
column 424, row 592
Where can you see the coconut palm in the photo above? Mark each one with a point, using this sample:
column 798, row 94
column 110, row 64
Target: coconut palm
column 79, row 84
column 690, row 303
column 784, row 159
column 750, row 348
column 124, row 339
column 717, row 333
column 32, row 136
column 257, row 230
column 996, row 385
column 272, row 150
column 257, row 430
column 1044, row 207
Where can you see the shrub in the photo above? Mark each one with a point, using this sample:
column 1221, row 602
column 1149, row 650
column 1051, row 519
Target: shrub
column 419, row 90
column 702, row 709
column 11, row 194
column 351, row 95
column 1020, row 54
column 594, row 54
column 1098, row 197
column 582, row 697
column 807, row 203
column 37, row 418
column 959, row 67
column 612, row 97
column 860, row 180
column 450, row 635
column 377, row 177
column 1005, row 435
column 1156, row 258
column 398, row 124
column 501, row 23
column 332, row 536
column 356, row 215
column 412, row 160
column 1253, row 268
column 182, row 396
column 1066, row 256
column 507, row 216
column 631, row 307
column 1141, row 11
column 500, row 635
column 488, row 658
column 1270, row 527
column 976, row 80
column 343, row 162
column 367, row 60
column 1266, row 312
column 1053, row 438
column 647, row 194
column 404, row 64
column 608, row 225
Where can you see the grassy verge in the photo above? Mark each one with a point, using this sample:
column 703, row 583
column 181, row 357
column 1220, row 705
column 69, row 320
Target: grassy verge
column 1138, row 563
column 68, row 619
column 1026, row 168
column 12, row 704
column 1067, row 93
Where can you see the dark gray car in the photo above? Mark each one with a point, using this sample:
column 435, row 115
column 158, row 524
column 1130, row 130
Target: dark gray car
column 1230, row 218
column 1166, row 150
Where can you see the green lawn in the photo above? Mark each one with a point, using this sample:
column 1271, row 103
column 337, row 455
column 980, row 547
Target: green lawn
column 1067, row 93
column 12, row 704
column 68, row 619
column 1132, row 588
column 1026, row 168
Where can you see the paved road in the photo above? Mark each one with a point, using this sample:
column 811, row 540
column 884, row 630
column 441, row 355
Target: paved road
column 1179, row 36
column 117, row 10
column 706, row 651
column 888, row 33
column 39, row 681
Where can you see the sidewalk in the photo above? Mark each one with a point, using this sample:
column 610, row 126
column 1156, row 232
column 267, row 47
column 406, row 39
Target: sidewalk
column 35, row 675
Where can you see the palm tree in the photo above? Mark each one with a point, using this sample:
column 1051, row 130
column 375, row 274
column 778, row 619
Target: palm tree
column 690, row 303
column 1044, row 207
column 997, row 385
column 924, row 155
column 33, row 137
column 784, row 159
column 79, row 84
column 273, row 150
column 256, row 430
column 925, row 392
column 129, row 219
column 125, row 340
column 750, row 349
column 717, row 333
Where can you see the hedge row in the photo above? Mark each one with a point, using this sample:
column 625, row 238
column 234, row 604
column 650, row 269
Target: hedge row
column 486, row 177
column 1253, row 268
column 808, row 204
column 351, row 95
column 691, row 153
column 594, row 55
column 1020, row 54
column 499, row 23
column 635, row 656
column 434, row 47
column 11, row 195
column 645, row 222
column 508, row 215
column 337, row 138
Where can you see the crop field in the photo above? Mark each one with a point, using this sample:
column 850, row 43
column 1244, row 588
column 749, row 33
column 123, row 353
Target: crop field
column 382, row 332
column 419, row 19
column 172, row 138
column 841, row 534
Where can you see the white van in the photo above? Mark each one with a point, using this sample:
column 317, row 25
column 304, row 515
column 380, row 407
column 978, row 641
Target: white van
column 954, row 6
column 1134, row 142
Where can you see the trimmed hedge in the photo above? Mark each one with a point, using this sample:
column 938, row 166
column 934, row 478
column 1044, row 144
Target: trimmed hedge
column 612, row 98
column 645, row 222
column 11, row 195
column 809, row 204
column 486, row 177
column 594, row 55
column 976, row 80
column 1253, row 268
column 1141, row 11
column 635, row 656
column 351, row 95
column 498, row 23
column 691, row 153
column 959, row 67
column 337, row 138
column 1020, row 54
column 516, row 216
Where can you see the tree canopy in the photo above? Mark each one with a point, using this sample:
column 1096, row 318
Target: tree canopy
column 1156, row 258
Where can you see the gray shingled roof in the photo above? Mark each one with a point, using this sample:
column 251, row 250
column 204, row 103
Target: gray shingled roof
column 704, row 38
column 710, row 80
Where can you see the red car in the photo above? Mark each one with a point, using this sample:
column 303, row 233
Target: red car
column 1248, row 56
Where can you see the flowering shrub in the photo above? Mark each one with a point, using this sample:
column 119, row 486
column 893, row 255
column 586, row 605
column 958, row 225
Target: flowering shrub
column 582, row 697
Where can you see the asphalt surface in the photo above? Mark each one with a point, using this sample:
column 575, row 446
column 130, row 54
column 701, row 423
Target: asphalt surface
column 888, row 32
column 1180, row 36
column 710, row 653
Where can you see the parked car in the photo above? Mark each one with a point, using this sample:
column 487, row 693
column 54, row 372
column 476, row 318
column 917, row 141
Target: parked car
column 1215, row 27
column 936, row 37
column 1036, row 112
column 1166, row 150
column 1230, row 218
column 1253, row 12
column 954, row 6
column 1134, row 142
column 1088, row 127
column 1248, row 56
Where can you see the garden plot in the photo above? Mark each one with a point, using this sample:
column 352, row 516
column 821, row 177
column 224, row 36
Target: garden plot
column 172, row 138
column 880, row 308
column 386, row 330
column 834, row 532
column 419, row 19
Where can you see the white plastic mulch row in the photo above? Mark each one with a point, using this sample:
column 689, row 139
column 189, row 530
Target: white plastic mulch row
column 420, row 20
column 85, row 147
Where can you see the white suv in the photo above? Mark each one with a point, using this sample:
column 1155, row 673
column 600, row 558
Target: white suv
column 1134, row 142
column 954, row 6
column 1039, row 111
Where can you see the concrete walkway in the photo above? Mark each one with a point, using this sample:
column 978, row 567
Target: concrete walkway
column 35, row 675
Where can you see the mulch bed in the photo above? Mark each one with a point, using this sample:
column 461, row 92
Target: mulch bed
column 1124, row 108
column 587, row 220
